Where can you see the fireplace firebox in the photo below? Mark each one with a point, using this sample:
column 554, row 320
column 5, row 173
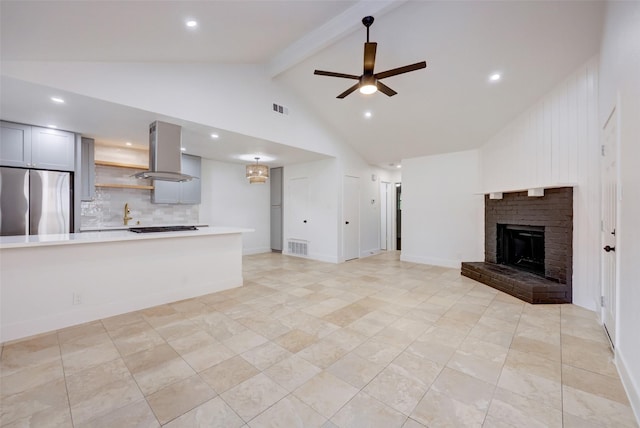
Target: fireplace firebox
column 521, row 247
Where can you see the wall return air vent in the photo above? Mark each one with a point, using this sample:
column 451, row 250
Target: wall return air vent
column 298, row 247
column 280, row 109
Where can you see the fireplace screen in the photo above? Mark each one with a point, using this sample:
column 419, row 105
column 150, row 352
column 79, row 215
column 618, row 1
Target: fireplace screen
column 521, row 247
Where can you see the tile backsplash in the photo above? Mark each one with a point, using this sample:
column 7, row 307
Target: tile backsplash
column 107, row 208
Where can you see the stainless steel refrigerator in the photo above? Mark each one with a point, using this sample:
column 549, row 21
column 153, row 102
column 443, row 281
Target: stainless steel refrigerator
column 35, row 202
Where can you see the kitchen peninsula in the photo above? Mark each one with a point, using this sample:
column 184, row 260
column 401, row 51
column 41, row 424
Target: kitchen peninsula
column 49, row 282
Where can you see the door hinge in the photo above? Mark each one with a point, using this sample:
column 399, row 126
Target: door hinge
column 602, row 150
column 602, row 301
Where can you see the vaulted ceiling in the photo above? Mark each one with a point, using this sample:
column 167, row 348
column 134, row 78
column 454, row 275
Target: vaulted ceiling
column 449, row 106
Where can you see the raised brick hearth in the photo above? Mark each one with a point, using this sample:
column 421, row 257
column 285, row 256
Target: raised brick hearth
column 524, row 285
column 553, row 212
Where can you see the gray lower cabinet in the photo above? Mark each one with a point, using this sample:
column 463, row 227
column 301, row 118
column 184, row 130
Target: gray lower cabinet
column 34, row 147
column 188, row 192
column 275, row 176
column 276, row 227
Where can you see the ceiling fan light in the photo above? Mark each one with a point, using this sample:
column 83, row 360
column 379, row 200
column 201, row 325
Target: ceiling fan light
column 368, row 84
column 368, row 89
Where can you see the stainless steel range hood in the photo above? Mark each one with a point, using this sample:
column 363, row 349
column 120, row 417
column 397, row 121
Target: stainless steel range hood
column 165, row 156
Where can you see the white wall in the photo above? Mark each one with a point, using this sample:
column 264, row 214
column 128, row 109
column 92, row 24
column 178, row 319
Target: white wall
column 556, row 143
column 229, row 200
column 620, row 79
column 442, row 210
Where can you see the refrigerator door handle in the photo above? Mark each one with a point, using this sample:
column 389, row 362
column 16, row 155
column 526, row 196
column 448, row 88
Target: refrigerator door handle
column 35, row 198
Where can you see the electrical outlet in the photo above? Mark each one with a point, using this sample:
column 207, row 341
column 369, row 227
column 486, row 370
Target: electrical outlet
column 77, row 298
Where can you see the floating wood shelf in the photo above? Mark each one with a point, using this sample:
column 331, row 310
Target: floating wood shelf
column 124, row 186
column 120, row 165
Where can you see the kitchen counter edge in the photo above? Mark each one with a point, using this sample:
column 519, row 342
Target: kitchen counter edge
column 7, row 242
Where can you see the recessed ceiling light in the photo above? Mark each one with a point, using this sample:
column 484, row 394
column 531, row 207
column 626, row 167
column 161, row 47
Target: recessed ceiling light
column 57, row 100
column 398, row 166
column 191, row 23
column 214, row 136
column 367, row 114
column 495, row 77
column 183, row 149
column 52, row 126
column 128, row 143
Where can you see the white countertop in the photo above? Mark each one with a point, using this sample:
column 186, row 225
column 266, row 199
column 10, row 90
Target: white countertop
column 123, row 227
column 108, row 236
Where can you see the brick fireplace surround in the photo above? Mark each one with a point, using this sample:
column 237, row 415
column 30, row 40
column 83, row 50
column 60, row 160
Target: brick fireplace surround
column 553, row 211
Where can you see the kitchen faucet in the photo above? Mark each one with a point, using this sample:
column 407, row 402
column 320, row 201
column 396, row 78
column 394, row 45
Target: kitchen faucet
column 127, row 211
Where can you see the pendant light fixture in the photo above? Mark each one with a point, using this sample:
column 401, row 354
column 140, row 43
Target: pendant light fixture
column 257, row 173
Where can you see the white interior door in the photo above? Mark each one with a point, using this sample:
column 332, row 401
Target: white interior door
column 351, row 218
column 299, row 208
column 609, row 212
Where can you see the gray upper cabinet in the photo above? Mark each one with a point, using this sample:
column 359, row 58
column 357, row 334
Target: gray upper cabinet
column 52, row 149
column 190, row 191
column 87, row 172
column 165, row 192
column 187, row 192
column 35, row 147
column 15, row 144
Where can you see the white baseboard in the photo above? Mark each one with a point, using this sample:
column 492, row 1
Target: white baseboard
column 258, row 250
column 369, row 253
column 630, row 386
column 430, row 261
column 324, row 258
column 313, row 256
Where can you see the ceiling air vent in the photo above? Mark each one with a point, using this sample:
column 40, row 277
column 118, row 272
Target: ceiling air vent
column 281, row 109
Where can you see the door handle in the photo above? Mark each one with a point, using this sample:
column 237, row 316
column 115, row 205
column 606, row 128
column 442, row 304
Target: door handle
column 608, row 248
column 304, row 221
column 346, row 222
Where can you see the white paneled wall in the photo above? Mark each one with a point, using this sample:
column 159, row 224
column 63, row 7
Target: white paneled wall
column 548, row 144
column 556, row 143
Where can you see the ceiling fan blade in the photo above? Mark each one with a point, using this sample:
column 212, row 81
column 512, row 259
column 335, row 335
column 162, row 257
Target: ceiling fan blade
column 385, row 89
column 400, row 70
column 369, row 57
column 348, row 91
column 332, row 74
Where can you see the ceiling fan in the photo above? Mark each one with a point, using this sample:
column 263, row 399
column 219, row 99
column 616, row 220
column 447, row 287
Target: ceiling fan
column 369, row 82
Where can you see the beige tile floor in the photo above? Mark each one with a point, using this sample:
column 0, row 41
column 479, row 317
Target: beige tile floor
column 370, row 343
